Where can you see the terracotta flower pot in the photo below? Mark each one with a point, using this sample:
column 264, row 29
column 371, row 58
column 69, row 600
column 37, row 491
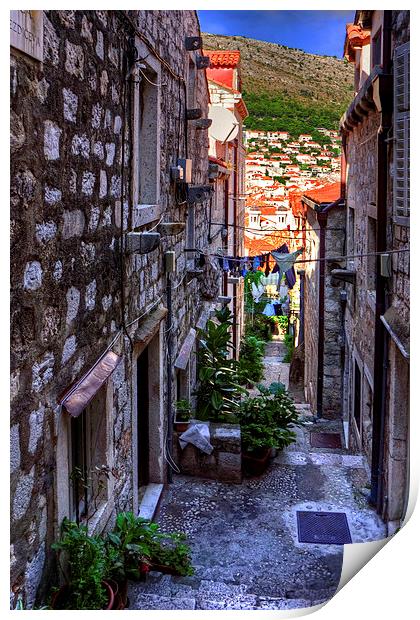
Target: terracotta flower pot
column 255, row 463
column 59, row 598
column 163, row 568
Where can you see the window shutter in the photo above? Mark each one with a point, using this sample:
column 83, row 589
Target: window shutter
column 402, row 131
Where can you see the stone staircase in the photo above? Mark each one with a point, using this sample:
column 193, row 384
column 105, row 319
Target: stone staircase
column 168, row 592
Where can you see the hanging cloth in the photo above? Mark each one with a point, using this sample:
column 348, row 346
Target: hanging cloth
column 257, row 290
column 269, row 310
column 257, row 261
column 285, row 262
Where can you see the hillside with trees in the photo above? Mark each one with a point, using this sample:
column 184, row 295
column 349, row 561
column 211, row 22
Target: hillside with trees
column 286, row 88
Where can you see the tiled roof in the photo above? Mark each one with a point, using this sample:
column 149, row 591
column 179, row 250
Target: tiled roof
column 327, row 194
column 225, row 58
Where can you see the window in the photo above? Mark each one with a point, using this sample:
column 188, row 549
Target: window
column 88, row 459
column 146, row 140
column 401, row 164
column 377, row 48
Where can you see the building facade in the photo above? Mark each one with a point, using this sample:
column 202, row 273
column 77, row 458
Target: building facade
column 321, row 316
column 109, row 188
column 227, row 151
column 375, row 133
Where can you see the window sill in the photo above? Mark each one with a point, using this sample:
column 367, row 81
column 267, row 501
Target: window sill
column 401, row 221
column 97, row 523
column 145, row 214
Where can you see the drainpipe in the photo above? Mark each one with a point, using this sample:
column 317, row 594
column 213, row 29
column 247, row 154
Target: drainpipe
column 322, row 220
column 301, row 274
column 380, row 344
column 226, row 241
column 235, row 246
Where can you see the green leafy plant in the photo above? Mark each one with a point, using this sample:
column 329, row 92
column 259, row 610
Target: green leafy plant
column 183, row 410
column 288, row 341
column 266, row 419
column 259, row 326
column 251, row 367
column 218, row 392
column 135, row 543
column 282, row 322
column 84, row 563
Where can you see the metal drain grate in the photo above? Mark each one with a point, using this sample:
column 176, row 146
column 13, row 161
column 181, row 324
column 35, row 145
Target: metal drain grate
column 325, row 440
column 324, row 528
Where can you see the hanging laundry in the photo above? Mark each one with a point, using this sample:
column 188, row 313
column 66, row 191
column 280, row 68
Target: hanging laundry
column 285, row 263
column 225, row 264
column 278, row 310
column 269, row 310
column 256, row 262
column 257, row 290
column 270, row 280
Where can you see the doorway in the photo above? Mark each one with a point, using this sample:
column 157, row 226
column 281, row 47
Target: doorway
column 143, row 418
column 357, row 395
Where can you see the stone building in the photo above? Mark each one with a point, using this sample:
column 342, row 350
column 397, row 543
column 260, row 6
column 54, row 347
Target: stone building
column 375, row 134
column 227, row 154
column 322, row 218
column 109, row 187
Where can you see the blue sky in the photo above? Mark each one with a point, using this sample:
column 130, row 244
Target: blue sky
column 317, row 32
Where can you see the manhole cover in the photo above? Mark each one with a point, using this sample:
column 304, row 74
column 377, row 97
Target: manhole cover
column 325, row 528
column 325, row 440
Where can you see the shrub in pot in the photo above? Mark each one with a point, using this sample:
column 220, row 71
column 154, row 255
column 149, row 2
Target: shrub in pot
column 183, row 414
column 84, row 563
column 266, row 422
column 139, row 545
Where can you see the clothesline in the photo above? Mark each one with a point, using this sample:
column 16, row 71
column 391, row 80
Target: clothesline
column 307, row 260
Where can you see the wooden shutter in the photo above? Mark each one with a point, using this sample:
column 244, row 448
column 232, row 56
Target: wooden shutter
column 402, row 131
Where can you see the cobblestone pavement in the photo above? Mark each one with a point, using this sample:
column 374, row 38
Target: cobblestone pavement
column 243, row 537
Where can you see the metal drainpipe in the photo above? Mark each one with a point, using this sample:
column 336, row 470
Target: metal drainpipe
column 226, row 241
column 301, row 274
column 322, row 219
column 380, row 343
column 235, row 246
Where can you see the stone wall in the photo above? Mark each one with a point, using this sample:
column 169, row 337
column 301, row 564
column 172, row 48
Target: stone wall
column 333, row 325
column 311, row 305
column 360, row 307
column 334, row 243
column 224, row 463
column 360, row 342
column 70, row 191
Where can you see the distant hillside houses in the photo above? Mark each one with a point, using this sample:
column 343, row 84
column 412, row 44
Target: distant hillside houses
column 278, row 168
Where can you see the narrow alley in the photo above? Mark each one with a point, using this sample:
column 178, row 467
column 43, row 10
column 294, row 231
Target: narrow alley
column 244, row 537
column 210, row 304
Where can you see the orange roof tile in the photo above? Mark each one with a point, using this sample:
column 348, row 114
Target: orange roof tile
column 223, row 58
column 327, row 194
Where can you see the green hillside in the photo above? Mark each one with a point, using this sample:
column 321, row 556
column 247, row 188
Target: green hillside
column 286, row 88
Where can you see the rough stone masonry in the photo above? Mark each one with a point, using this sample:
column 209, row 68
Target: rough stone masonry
column 71, row 146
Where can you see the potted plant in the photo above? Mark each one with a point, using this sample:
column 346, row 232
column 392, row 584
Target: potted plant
column 138, row 545
column 171, row 555
column 83, row 561
column 183, row 415
column 266, row 422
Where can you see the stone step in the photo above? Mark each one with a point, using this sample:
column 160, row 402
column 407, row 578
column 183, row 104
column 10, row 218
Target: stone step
column 165, row 593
